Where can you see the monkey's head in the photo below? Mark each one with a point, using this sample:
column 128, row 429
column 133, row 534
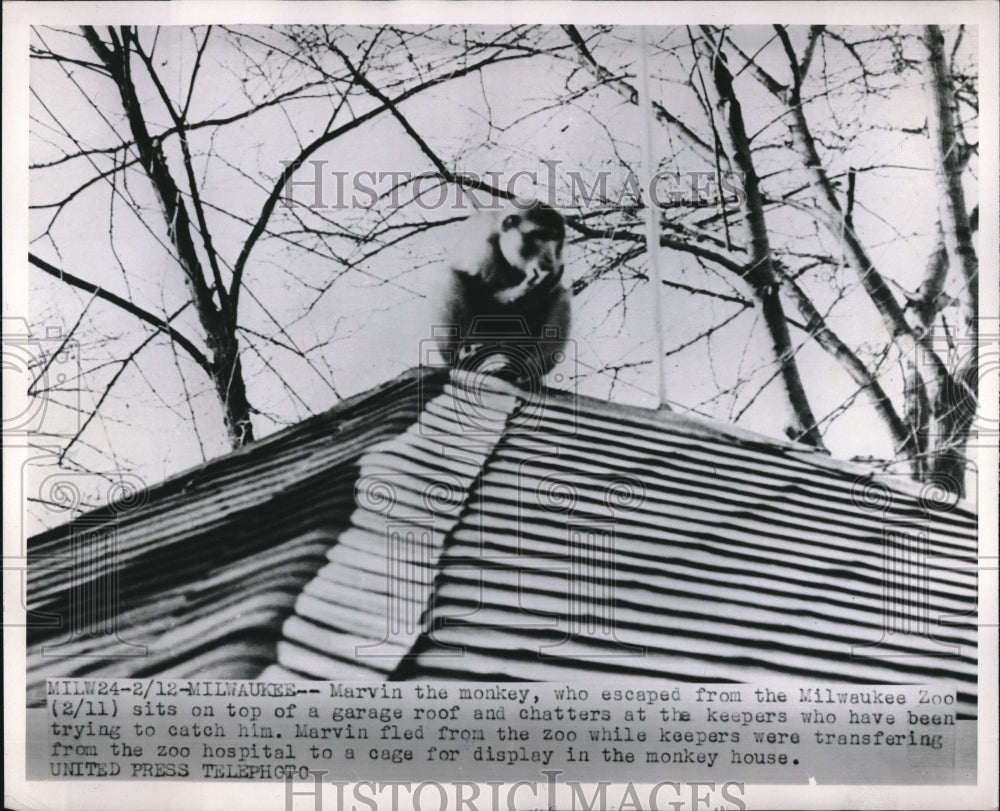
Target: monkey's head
column 530, row 241
column 505, row 309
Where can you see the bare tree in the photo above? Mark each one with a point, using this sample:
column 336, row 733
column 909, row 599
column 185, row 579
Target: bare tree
column 929, row 416
column 208, row 146
column 293, row 67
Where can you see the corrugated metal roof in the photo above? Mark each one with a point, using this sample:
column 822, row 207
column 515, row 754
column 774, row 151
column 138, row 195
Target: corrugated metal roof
column 475, row 531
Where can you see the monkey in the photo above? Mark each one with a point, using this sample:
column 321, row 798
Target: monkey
column 505, row 310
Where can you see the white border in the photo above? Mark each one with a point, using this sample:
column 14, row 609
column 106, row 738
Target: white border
column 17, row 16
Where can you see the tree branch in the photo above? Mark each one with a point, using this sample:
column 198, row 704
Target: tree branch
column 630, row 93
column 817, row 328
column 871, row 279
column 759, row 273
column 155, row 164
column 220, row 331
column 948, row 164
column 292, row 166
column 199, row 209
column 143, row 315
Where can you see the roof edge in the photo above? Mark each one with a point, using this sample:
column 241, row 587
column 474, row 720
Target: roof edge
column 686, row 424
column 175, row 480
column 706, row 428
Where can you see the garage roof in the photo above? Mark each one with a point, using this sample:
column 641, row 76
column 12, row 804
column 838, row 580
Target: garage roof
column 465, row 529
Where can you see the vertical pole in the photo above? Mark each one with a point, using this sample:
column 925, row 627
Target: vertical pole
column 652, row 215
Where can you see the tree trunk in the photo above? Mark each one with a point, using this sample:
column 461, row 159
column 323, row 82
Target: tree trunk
column 954, row 408
column 220, row 331
column 760, row 273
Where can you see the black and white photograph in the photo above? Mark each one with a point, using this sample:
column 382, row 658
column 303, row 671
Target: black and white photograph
column 482, row 405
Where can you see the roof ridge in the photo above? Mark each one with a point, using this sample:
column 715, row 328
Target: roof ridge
column 407, row 503
column 653, row 418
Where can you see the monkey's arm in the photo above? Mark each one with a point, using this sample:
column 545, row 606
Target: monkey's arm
column 510, row 295
column 549, row 324
column 535, row 286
